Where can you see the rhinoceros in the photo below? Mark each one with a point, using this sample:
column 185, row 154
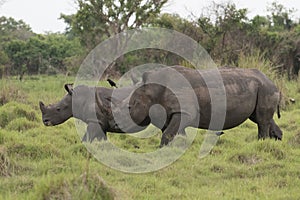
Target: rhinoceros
column 79, row 102
column 249, row 94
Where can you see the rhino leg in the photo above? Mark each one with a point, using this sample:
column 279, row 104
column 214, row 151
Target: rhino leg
column 265, row 108
column 263, row 130
column 175, row 126
column 94, row 130
column 182, row 132
column 275, row 131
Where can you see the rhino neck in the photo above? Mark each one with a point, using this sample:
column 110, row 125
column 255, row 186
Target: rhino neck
column 83, row 104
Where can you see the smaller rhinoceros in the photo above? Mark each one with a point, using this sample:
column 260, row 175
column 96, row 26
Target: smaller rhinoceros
column 80, row 102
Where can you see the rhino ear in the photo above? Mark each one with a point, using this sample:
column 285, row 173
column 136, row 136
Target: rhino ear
column 42, row 107
column 134, row 78
column 69, row 88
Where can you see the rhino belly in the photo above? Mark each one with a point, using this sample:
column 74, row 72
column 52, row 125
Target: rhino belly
column 238, row 109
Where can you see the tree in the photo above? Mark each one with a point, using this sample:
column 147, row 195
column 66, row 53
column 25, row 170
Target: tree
column 96, row 20
column 4, row 63
column 15, row 50
column 225, row 25
column 41, row 53
column 280, row 17
column 13, row 29
column 10, row 30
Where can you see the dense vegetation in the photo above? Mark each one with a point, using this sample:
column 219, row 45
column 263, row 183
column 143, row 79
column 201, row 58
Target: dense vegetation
column 223, row 30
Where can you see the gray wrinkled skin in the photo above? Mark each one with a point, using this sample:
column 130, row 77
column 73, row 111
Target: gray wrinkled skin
column 249, row 95
column 80, row 103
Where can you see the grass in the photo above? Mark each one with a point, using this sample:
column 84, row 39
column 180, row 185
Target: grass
column 38, row 162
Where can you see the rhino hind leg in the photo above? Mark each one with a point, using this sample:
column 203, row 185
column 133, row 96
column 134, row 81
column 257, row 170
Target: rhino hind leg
column 94, row 131
column 275, row 131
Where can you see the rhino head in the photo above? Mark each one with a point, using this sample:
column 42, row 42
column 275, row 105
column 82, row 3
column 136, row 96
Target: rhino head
column 60, row 112
column 133, row 112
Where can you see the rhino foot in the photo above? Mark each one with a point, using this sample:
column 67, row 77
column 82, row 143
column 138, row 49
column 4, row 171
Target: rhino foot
column 219, row 133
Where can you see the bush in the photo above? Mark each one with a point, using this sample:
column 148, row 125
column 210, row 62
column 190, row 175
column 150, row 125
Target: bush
column 10, row 92
column 13, row 110
column 4, row 162
column 71, row 187
column 21, row 124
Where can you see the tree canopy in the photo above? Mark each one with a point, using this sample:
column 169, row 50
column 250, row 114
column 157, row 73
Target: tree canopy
column 96, row 20
column 224, row 30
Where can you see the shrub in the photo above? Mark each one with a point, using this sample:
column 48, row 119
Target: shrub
column 9, row 92
column 21, row 124
column 4, row 162
column 71, row 187
column 13, row 110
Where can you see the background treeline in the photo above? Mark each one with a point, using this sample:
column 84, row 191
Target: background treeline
column 224, row 30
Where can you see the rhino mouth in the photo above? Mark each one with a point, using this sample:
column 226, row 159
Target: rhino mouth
column 47, row 122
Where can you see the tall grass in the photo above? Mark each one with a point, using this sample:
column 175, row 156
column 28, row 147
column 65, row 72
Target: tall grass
column 38, row 162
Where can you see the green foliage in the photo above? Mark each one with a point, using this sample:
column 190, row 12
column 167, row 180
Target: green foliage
column 41, row 53
column 13, row 29
column 223, row 29
column 97, row 20
column 280, row 17
column 231, row 33
column 12, row 111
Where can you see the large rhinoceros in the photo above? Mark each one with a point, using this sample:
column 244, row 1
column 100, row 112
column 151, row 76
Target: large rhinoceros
column 248, row 94
column 79, row 102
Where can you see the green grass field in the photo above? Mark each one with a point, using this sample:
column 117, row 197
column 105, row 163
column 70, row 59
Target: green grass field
column 38, row 162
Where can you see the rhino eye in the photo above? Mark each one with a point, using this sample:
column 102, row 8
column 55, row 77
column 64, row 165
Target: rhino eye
column 58, row 109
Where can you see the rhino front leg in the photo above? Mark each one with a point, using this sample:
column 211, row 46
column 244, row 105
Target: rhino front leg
column 93, row 131
column 175, row 126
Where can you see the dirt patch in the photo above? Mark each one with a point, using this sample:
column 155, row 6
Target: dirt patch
column 247, row 159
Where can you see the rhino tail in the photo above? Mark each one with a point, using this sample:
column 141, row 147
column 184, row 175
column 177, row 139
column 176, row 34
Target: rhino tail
column 278, row 111
column 278, row 105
